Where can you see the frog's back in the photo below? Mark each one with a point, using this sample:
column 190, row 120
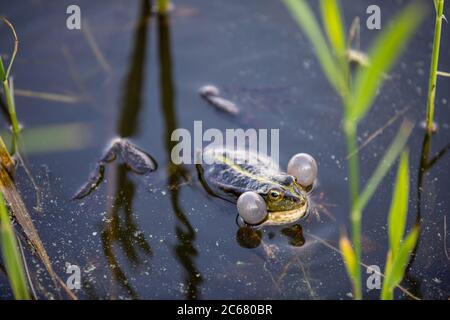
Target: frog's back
column 236, row 171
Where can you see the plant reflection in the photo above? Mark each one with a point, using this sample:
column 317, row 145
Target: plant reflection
column 426, row 163
column 121, row 228
column 251, row 238
column 184, row 250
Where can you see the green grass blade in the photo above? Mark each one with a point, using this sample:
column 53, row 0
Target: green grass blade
column 11, row 255
column 11, row 107
column 384, row 165
column 334, row 26
column 382, row 55
column 396, row 271
column 387, row 294
column 399, row 205
column 350, row 261
column 2, row 71
column 304, row 17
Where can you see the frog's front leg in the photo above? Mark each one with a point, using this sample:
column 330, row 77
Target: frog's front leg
column 135, row 158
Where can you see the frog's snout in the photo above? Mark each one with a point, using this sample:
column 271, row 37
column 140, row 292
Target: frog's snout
column 298, row 200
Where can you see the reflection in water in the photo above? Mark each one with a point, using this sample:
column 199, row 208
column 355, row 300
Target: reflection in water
column 248, row 238
column 184, row 249
column 422, row 170
column 426, row 163
column 134, row 81
column 122, row 228
column 251, row 238
column 295, row 235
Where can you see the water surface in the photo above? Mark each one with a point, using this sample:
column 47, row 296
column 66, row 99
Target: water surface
column 132, row 74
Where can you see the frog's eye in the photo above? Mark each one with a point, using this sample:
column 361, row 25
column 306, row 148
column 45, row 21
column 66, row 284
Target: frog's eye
column 251, row 207
column 304, row 168
column 275, row 195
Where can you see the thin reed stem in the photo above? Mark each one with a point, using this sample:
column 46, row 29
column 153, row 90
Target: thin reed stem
column 353, row 171
column 11, row 107
column 434, row 66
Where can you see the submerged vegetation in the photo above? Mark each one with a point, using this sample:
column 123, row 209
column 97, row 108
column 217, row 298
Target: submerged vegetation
column 358, row 91
column 11, row 201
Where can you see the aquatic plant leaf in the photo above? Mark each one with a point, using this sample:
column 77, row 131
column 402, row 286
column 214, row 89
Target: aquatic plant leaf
column 384, row 165
column 5, row 158
column 4, row 75
column 334, row 26
column 349, row 256
column 382, row 55
column 399, row 205
column 11, row 255
column 304, row 17
column 395, row 271
column 2, row 71
column 398, row 255
column 21, row 215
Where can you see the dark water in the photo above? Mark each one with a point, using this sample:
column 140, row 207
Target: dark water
column 135, row 75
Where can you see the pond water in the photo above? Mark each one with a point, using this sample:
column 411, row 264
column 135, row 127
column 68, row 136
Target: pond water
column 131, row 74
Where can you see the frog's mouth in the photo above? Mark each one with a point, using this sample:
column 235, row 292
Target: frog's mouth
column 286, row 217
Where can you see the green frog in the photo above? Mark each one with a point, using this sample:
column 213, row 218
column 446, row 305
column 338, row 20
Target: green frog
column 227, row 174
column 230, row 173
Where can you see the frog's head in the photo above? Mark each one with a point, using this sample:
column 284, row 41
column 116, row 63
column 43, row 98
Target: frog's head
column 286, row 200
